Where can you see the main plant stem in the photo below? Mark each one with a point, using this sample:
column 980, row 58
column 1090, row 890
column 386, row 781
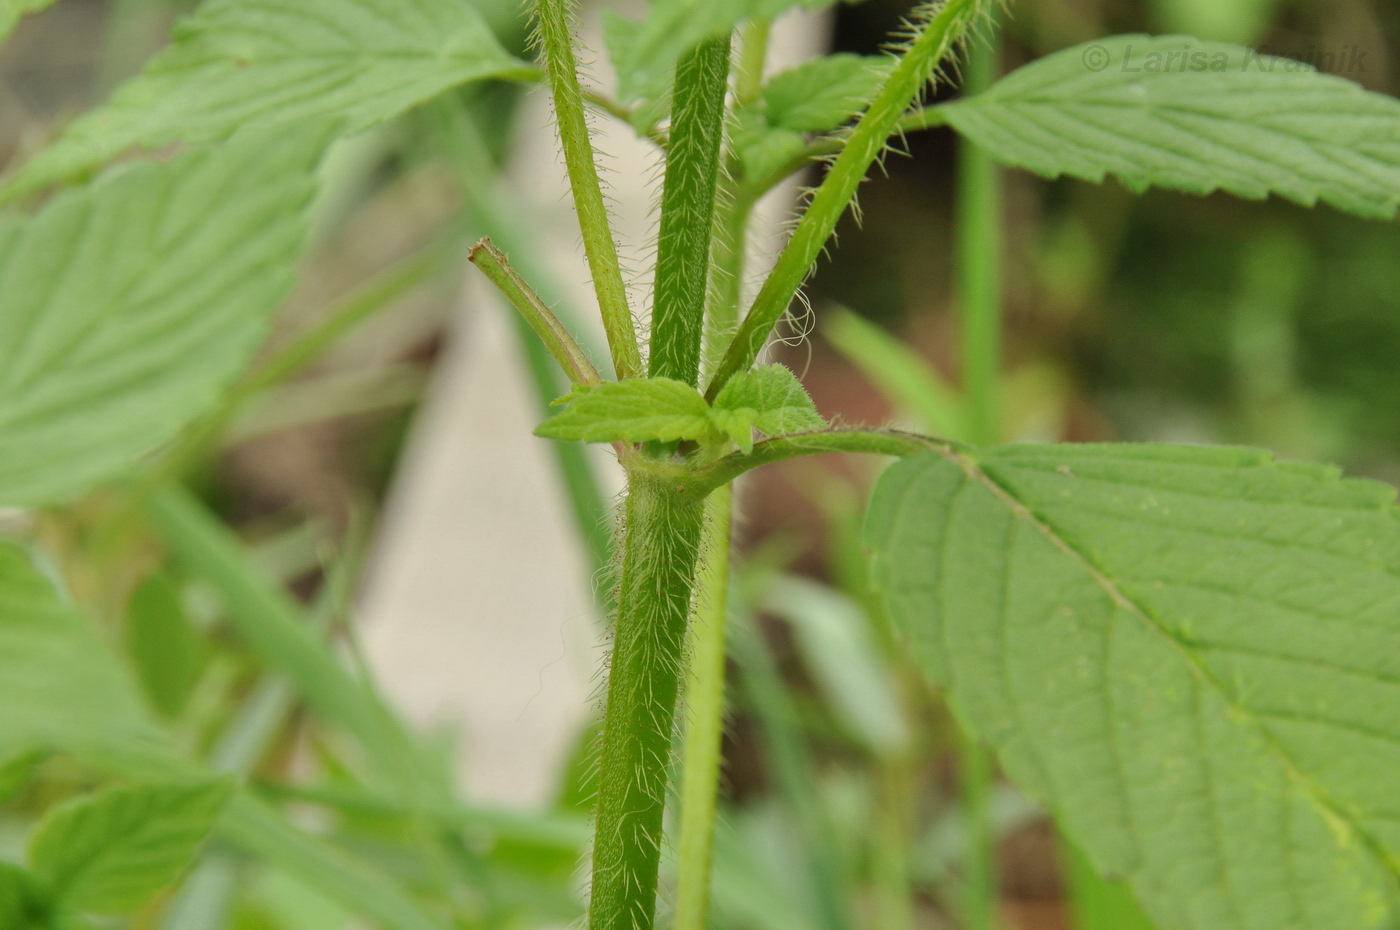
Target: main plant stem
column 979, row 269
column 704, row 733
column 659, row 549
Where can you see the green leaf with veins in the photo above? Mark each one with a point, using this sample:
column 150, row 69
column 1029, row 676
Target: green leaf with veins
column 823, row 94
column 239, row 63
column 1192, row 655
column 632, row 410
column 109, row 853
column 763, row 149
column 126, row 307
column 1260, row 125
column 768, row 398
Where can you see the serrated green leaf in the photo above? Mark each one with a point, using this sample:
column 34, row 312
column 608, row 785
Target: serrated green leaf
column 632, row 410
column 163, row 643
column 11, row 12
column 1190, row 654
column 1243, row 123
column 126, row 307
column 110, row 852
column 241, row 63
column 768, row 398
column 825, row 93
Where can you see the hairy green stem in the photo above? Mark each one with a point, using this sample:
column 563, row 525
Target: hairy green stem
column 873, row 442
column 937, row 37
column 704, row 707
column 557, row 43
column 660, row 543
column 560, row 343
column 688, row 211
column 979, row 273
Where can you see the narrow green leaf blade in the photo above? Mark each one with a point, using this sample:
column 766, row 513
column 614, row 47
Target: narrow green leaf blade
column 1210, row 117
column 240, row 63
column 772, row 398
column 1190, row 654
column 110, row 852
column 825, row 93
column 125, row 307
column 632, row 410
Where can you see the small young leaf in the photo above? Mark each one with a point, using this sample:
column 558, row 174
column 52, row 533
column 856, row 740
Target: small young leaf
column 632, row 410
column 825, row 93
column 127, row 306
column 1190, row 654
column 768, row 398
column 110, row 852
column 163, row 643
column 1173, row 111
column 239, row 63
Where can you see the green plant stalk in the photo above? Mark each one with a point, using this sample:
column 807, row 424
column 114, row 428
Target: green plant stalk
column 894, row 905
column 688, row 211
column 934, row 40
column 660, row 542
column 781, row 727
column 979, row 277
column 704, row 707
column 482, row 184
column 561, row 345
column 557, row 43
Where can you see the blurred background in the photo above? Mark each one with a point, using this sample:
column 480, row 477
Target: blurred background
column 1161, row 317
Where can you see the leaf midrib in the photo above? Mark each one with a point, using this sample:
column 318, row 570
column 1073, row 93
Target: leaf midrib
column 1021, row 510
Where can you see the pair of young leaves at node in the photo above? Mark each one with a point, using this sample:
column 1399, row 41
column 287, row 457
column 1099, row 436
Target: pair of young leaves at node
column 768, row 399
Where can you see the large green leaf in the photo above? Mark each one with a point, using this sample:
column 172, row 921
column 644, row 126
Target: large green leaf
column 1192, row 655
column 110, row 852
column 237, row 63
column 126, row 307
column 21, row 907
column 1177, row 112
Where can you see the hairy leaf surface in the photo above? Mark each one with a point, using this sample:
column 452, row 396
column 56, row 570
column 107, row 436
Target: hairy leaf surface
column 1192, row 655
column 825, row 93
column 239, row 63
column 769, row 399
column 1211, row 117
column 126, row 307
column 632, row 410
column 110, row 852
